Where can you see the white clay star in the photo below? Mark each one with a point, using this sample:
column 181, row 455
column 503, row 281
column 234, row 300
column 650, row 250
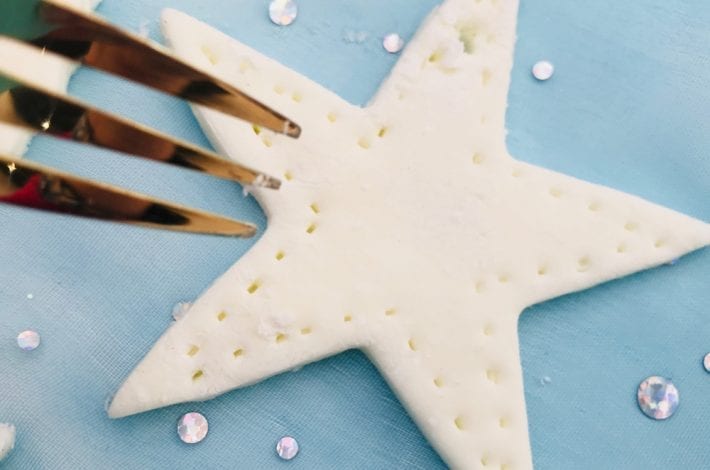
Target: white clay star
column 404, row 229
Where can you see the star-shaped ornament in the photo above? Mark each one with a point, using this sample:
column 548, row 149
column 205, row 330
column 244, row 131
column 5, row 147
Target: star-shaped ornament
column 404, row 229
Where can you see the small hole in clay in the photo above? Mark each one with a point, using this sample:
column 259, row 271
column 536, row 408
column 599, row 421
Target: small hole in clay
column 311, row 228
column 297, row 97
column 279, row 90
column 659, row 243
column 244, row 65
column 555, row 192
column 332, row 117
column 594, row 206
column 193, row 350
column 267, row 141
column 306, row 331
column 197, row 375
column 288, row 176
column 256, row 129
column 315, row 208
column 381, row 133
column 280, row 338
column 583, row 264
column 210, row 54
column 621, row 248
column 477, row 158
column 542, row 270
column 486, row 76
column 347, row 318
column 484, row 461
column 221, row 316
column 435, row 56
column 630, row 226
column 390, row 312
column 492, row 375
column 238, row 352
column 364, row 143
column 438, row 382
column 488, row 330
column 458, row 422
column 280, row 255
column 503, row 423
column 467, row 36
column 411, row 345
column 253, row 287
column 480, row 286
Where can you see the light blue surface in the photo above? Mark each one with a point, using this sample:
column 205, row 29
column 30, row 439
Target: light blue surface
column 628, row 107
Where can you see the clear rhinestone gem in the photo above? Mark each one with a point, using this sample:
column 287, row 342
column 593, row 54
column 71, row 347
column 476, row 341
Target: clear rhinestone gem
column 706, row 362
column 283, row 12
column 543, row 70
column 287, row 447
column 28, row 340
column 192, row 428
column 658, row 398
column 393, row 43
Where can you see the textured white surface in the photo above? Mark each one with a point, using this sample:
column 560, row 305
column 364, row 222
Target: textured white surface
column 7, row 439
column 55, row 74
column 353, row 257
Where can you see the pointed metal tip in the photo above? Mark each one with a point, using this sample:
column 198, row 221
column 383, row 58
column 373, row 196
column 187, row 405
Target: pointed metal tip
column 270, row 182
column 292, row 129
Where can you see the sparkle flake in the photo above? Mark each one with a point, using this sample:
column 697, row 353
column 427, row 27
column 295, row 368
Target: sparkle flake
column 283, row 12
column 28, row 340
column 658, row 398
column 706, row 362
column 393, row 43
column 543, row 70
column 287, row 448
column 192, row 428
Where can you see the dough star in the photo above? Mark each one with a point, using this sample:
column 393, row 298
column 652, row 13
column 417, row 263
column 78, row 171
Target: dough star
column 404, row 229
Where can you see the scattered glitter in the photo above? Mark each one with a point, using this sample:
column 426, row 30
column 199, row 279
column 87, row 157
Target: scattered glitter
column 356, row 37
column 546, row 380
column 30, row 296
column 393, row 43
column 283, row 12
column 28, row 340
column 287, row 447
column 706, row 362
column 658, row 398
column 192, row 428
column 180, row 310
column 543, row 70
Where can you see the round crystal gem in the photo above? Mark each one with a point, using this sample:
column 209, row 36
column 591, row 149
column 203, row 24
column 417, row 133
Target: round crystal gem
column 287, row 447
column 192, row 428
column 706, row 362
column 283, row 12
column 543, row 70
column 28, row 340
column 393, row 43
column 658, row 398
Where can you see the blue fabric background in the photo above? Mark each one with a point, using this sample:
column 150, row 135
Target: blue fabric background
column 628, row 107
